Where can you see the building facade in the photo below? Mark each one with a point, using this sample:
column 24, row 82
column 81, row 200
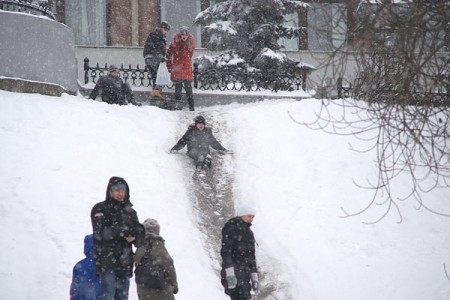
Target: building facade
column 125, row 22
column 114, row 31
column 128, row 22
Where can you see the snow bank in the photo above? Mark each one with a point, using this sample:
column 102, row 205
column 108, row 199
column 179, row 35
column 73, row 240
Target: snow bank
column 58, row 154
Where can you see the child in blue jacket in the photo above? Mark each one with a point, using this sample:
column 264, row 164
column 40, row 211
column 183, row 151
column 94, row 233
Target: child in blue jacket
column 85, row 282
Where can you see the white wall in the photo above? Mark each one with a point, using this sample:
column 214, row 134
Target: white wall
column 36, row 48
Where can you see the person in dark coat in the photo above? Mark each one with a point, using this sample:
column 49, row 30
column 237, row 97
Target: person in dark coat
column 85, row 282
column 155, row 53
column 116, row 228
column 154, row 245
column 179, row 64
column 239, row 273
column 199, row 139
column 113, row 90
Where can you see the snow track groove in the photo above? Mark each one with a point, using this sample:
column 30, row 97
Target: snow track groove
column 213, row 203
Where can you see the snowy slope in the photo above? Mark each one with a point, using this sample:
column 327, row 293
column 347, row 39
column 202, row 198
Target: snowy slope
column 58, row 154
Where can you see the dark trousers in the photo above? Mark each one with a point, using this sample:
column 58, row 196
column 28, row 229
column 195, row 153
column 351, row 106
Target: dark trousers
column 152, row 73
column 152, row 70
column 243, row 287
column 114, row 285
column 238, row 296
column 201, row 157
column 188, row 88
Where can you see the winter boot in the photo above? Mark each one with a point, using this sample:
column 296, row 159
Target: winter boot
column 200, row 162
column 189, row 94
column 157, row 93
column 208, row 160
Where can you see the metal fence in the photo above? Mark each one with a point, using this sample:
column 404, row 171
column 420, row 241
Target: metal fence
column 133, row 76
column 209, row 79
column 438, row 96
column 28, row 6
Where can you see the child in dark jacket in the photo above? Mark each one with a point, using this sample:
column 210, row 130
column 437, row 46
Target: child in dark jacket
column 199, row 139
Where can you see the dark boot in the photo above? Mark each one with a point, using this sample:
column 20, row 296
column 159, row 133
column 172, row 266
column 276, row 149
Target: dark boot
column 208, row 160
column 189, row 94
column 200, row 162
column 178, row 89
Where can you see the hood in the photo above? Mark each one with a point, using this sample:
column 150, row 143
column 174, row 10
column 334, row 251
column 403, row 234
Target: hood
column 113, row 181
column 89, row 245
column 177, row 39
column 151, row 237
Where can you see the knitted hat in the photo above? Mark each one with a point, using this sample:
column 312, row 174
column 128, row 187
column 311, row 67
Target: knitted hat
column 245, row 210
column 199, row 119
column 151, row 226
column 113, row 68
column 184, row 30
column 165, row 25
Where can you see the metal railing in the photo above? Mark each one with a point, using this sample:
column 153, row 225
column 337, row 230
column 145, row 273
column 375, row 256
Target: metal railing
column 208, row 80
column 438, row 96
column 257, row 80
column 27, row 6
column 133, row 76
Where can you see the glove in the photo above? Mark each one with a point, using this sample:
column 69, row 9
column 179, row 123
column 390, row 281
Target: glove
column 163, row 60
column 175, row 290
column 255, row 283
column 231, row 278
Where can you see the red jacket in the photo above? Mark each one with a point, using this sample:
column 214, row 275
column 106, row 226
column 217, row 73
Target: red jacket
column 179, row 58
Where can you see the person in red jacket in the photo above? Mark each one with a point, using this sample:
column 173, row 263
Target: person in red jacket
column 179, row 64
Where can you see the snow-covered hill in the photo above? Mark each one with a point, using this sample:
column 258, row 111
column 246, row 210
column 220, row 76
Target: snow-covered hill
column 57, row 155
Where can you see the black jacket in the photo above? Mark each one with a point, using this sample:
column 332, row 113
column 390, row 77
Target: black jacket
column 155, row 45
column 112, row 221
column 195, row 138
column 238, row 251
column 113, row 91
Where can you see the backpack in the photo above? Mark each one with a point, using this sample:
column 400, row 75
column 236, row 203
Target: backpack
column 149, row 273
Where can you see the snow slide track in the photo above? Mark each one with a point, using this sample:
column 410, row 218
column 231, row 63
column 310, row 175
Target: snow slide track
column 213, row 203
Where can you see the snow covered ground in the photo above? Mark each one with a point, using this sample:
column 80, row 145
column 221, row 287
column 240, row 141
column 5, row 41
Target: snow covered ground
column 58, row 154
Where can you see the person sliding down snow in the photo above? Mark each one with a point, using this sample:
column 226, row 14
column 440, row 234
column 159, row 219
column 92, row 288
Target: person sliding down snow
column 198, row 139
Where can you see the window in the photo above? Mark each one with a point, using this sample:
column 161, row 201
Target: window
column 327, row 26
column 87, row 18
column 290, row 44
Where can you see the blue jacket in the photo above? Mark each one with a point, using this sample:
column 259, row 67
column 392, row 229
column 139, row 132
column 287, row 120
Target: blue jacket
column 85, row 283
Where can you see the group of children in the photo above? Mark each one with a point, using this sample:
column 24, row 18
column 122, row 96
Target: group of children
column 106, row 271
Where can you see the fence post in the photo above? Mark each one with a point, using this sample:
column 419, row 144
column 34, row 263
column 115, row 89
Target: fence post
column 339, row 87
column 86, row 70
column 304, row 80
column 448, row 87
